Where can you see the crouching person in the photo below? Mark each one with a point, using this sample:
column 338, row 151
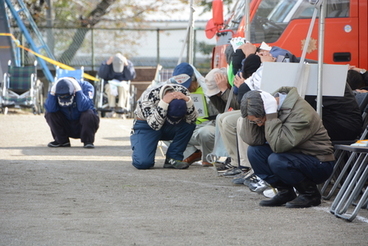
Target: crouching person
column 70, row 112
column 288, row 146
column 164, row 112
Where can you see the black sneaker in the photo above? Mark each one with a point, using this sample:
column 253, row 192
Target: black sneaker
column 88, row 145
column 225, row 166
column 240, row 178
column 171, row 163
column 56, row 144
column 236, row 171
column 120, row 110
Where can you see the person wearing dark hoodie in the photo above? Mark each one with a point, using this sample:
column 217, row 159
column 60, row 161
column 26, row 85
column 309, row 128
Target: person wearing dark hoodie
column 341, row 116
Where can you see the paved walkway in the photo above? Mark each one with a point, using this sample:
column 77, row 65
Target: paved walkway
column 76, row 196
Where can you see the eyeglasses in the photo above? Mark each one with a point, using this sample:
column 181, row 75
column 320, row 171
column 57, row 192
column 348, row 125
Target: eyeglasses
column 256, row 122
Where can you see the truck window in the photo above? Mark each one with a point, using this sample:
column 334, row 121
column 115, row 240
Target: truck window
column 272, row 17
column 235, row 20
column 265, row 25
column 334, row 9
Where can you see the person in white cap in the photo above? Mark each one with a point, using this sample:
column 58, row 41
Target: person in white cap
column 117, row 71
column 203, row 139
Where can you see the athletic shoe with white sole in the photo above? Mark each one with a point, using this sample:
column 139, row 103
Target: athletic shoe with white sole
column 171, row 163
column 240, row 178
column 259, row 186
column 251, row 179
column 235, row 171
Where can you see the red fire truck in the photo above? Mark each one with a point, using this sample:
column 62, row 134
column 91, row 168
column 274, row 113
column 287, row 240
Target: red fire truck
column 285, row 23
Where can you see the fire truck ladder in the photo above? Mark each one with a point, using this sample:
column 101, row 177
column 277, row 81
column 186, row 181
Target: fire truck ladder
column 28, row 37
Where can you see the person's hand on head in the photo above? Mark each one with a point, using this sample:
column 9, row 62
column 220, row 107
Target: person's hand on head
column 53, row 88
column 76, row 85
column 125, row 61
column 267, row 58
column 109, row 61
column 248, row 49
column 221, row 81
column 180, row 95
column 171, row 95
column 269, row 102
column 238, row 79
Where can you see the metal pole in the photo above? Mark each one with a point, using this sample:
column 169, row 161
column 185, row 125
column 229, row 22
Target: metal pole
column 301, row 84
column 184, row 45
column 191, row 34
column 195, row 47
column 158, row 45
column 321, row 40
column 247, row 17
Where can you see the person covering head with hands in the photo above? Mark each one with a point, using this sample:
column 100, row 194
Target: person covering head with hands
column 117, row 71
column 70, row 112
column 288, row 145
column 163, row 112
column 218, row 89
column 203, row 138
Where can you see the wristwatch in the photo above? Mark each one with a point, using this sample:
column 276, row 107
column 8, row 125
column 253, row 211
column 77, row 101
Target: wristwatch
column 363, row 71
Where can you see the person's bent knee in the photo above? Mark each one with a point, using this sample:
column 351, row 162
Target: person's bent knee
column 277, row 163
column 252, row 150
column 143, row 165
column 88, row 115
column 205, row 134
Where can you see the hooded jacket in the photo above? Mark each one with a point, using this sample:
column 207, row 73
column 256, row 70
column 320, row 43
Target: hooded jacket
column 83, row 101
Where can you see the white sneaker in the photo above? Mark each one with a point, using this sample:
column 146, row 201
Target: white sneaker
column 258, row 187
column 269, row 192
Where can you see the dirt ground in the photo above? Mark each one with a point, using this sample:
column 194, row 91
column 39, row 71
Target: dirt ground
column 76, row 196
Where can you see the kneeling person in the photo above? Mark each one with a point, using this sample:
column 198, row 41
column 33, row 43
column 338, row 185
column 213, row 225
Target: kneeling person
column 164, row 112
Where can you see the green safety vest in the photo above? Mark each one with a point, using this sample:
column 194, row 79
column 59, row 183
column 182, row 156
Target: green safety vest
column 200, row 102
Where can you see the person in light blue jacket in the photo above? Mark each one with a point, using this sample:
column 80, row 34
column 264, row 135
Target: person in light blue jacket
column 70, row 112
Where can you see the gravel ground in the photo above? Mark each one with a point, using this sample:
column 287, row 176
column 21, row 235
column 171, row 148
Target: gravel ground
column 76, row 196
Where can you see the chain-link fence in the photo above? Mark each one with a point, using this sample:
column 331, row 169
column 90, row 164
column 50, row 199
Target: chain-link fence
column 89, row 47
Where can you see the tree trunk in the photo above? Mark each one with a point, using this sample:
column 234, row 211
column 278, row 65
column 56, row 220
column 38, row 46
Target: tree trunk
column 78, row 38
column 93, row 18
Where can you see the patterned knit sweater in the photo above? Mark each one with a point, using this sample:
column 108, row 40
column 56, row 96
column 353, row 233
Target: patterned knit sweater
column 153, row 109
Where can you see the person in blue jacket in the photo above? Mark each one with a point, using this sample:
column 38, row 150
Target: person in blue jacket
column 117, row 71
column 70, row 112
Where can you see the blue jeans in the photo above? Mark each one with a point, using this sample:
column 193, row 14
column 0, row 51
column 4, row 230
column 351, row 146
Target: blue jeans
column 144, row 142
column 290, row 168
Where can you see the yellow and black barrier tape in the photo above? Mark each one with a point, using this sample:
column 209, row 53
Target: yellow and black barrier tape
column 56, row 63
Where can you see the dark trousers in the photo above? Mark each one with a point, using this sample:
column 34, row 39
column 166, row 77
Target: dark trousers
column 62, row 129
column 144, row 142
column 290, row 168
